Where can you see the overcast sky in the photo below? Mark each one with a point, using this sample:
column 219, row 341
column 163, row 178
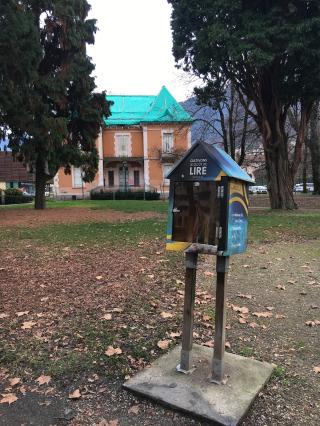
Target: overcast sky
column 133, row 47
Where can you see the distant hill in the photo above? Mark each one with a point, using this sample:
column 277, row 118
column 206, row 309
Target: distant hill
column 207, row 125
column 205, row 118
column 4, row 145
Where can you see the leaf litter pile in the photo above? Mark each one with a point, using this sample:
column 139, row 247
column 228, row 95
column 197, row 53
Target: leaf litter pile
column 76, row 322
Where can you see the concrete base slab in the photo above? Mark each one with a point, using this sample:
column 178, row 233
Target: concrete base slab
column 195, row 394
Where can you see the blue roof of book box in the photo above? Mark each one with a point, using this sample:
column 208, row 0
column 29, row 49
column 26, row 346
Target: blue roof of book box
column 218, row 161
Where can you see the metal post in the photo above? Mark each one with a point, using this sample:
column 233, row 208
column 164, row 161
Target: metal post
column 220, row 320
column 189, row 296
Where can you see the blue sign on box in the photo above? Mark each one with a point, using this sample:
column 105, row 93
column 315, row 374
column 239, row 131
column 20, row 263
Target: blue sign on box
column 237, row 219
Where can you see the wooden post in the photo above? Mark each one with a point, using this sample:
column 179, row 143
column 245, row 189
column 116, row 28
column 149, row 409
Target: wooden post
column 220, row 320
column 189, row 296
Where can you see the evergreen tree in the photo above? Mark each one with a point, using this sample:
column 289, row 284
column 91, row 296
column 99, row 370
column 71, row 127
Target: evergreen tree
column 270, row 51
column 62, row 116
column 19, row 57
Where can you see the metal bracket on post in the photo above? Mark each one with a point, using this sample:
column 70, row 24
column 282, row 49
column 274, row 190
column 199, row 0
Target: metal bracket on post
column 185, row 365
column 218, row 375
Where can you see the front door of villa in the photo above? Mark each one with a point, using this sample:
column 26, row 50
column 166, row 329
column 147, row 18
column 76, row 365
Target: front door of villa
column 123, row 178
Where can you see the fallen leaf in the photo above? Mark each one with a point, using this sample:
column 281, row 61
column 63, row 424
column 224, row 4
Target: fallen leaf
column 243, row 310
column 280, row 287
column 163, row 344
column 270, row 308
column 179, row 282
column 8, row 398
column 46, row 403
column 14, row 381
column 280, row 316
column 253, row 325
column 209, row 343
column 151, row 276
column 166, row 315
column 3, row 316
column 245, row 296
column 175, row 335
column 44, row 299
column 316, row 369
column 99, row 277
column 23, row 390
column 314, row 306
column 246, row 266
column 206, row 318
column 43, row 380
column 291, row 282
column 107, row 317
column 113, row 351
column 262, row 314
column 134, row 409
column 75, row 395
column 208, row 274
column 242, row 320
column 20, row 314
column 27, row 325
column 227, row 345
column 310, row 323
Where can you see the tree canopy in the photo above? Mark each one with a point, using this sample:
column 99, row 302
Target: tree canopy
column 19, row 57
column 269, row 50
column 61, row 115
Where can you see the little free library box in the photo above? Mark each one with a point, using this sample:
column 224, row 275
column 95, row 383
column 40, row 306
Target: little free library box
column 208, row 202
column 208, row 214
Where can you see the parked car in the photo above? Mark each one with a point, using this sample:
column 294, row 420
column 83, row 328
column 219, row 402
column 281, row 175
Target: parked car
column 299, row 187
column 258, row 189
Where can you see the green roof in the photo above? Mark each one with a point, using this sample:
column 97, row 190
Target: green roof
column 129, row 110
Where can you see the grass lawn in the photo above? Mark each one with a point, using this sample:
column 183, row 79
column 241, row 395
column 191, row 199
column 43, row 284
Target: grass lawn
column 129, row 206
column 69, row 291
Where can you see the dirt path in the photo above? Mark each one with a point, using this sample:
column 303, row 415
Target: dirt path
column 32, row 218
column 66, row 294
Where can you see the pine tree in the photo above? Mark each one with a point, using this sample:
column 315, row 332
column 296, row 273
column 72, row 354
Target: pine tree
column 19, row 57
column 63, row 115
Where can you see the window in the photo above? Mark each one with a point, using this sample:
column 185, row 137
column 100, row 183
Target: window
column 122, row 145
column 167, row 141
column 77, row 177
column 111, row 178
column 166, row 169
column 136, row 178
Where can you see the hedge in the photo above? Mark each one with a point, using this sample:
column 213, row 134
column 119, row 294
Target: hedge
column 15, row 196
column 122, row 195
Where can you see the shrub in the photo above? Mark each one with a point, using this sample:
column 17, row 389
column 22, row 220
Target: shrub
column 122, row 195
column 15, row 196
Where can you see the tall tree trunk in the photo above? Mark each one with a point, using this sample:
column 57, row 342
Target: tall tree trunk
column 41, row 180
column 304, row 168
column 280, row 180
column 314, row 145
